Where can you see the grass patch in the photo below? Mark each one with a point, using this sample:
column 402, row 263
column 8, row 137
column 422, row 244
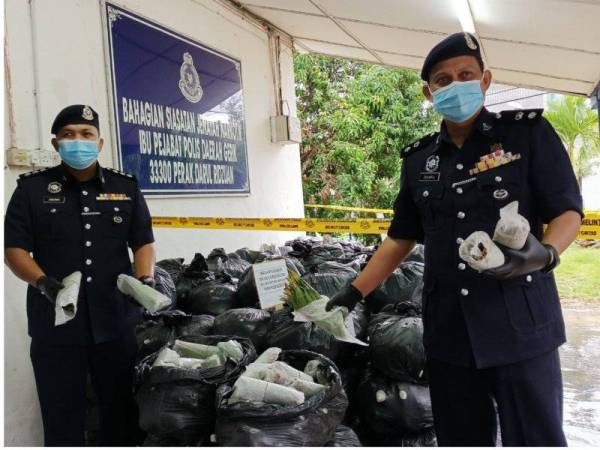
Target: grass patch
column 578, row 275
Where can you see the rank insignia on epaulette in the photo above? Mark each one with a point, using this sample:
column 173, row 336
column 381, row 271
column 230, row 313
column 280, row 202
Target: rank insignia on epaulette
column 498, row 157
column 112, row 197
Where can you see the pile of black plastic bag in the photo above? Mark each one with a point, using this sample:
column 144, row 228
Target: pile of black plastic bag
column 376, row 395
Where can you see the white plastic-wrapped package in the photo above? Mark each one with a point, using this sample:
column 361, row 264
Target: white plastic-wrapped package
column 480, row 252
column 308, row 388
column 231, row 349
column 166, row 357
column 269, row 355
column 146, row 296
column 66, row 300
column 512, row 229
column 331, row 321
column 253, row 390
column 194, row 350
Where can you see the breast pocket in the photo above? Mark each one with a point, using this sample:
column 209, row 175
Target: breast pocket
column 428, row 199
column 115, row 220
column 528, row 304
column 57, row 222
column 496, row 189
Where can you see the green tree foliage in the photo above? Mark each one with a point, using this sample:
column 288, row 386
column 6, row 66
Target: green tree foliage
column 577, row 125
column 356, row 118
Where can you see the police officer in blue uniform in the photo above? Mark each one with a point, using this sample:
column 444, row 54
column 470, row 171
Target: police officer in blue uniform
column 491, row 337
column 79, row 216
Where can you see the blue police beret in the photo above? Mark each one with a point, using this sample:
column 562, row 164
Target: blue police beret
column 75, row 114
column 457, row 44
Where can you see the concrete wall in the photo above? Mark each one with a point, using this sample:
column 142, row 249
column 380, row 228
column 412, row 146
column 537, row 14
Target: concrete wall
column 59, row 45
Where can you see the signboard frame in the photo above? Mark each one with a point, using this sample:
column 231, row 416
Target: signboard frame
column 113, row 99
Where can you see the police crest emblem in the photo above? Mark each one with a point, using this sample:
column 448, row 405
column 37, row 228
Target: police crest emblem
column 189, row 81
column 432, row 164
column 54, row 187
column 87, row 113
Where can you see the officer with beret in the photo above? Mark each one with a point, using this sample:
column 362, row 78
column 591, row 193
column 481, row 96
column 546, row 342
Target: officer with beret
column 79, row 216
column 491, row 337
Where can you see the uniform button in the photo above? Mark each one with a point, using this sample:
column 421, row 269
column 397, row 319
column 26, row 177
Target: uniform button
column 425, row 193
column 117, row 209
column 88, row 243
column 459, row 240
column 461, row 215
column 460, row 166
column 464, row 292
column 498, row 179
column 529, row 278
column 88, row 262
column 88, row 279
column 87, row 226
column 462, row 266
column 459, row 190
column 86, row 209
column 53, row 210
column 84, row 192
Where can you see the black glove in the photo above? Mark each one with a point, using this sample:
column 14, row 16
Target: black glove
column 533, row 256
column 148, row 281
column 348, row 297
column 49, row 287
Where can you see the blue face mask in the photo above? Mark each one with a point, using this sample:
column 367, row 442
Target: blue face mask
column 78, row 154
column 459, row 101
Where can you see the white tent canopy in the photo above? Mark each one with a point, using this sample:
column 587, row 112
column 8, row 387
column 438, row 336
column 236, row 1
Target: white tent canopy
column 552, row 45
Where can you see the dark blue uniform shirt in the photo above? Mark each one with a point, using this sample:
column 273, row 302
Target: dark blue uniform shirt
column 446, row 194
column 70, row 226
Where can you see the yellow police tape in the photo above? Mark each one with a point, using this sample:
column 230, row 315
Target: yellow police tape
column 590, row 228
column 354, row 226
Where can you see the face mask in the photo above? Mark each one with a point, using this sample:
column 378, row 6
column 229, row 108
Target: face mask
column 459, row 101
column 78, row 154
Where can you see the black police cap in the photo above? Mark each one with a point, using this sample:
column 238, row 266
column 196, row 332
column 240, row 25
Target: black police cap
column 75, row 115
column 457, row 44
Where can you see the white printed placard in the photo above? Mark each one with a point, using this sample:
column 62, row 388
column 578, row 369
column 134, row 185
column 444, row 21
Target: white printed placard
column 271, row 278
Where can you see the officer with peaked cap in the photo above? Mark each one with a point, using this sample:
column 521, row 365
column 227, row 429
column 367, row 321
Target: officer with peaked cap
column 79, row 216
column 492, row 337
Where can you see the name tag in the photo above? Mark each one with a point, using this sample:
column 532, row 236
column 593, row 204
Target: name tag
column 54, row 199
column 112, row 197
column 429, row 176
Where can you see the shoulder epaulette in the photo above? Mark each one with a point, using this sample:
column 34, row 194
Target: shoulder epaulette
column 33, row 173
column 418, row 145
column 520, row 115
column 118, row 172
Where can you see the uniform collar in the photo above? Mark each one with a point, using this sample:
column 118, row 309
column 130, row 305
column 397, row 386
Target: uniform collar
column 69, row 179
column 485, row 124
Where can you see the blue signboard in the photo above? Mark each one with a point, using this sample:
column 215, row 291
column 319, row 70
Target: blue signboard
column 179, row 110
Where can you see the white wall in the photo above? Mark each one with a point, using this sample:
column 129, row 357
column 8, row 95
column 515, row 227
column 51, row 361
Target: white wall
column 66, row 37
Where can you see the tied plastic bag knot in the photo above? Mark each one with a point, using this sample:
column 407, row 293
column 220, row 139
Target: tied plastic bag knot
column 512, row 229
column 480, row 252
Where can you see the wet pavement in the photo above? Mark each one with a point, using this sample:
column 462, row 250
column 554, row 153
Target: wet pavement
column 580, row 358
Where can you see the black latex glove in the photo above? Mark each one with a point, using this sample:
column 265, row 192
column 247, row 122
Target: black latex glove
column 348, row 297
column 148, row 281
column 49, row 287
column 533, row 256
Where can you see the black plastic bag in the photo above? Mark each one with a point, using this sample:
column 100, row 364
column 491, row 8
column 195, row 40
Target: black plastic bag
column 231, row 264
column 211, row 297
column 250, row 323
column 416, row 255
column 344, row 437
column 199, row 325
column 359, row 317
column 165, row 284
column 393, row 408
column 426, row 438
column 174, row 266
column 330, row 277
column 311, row 424
column 247, row 255
column 177, row 405
column 289, row 335
column 396, row 343
column 398, row 287
column 151, row 335
column 194, row 274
